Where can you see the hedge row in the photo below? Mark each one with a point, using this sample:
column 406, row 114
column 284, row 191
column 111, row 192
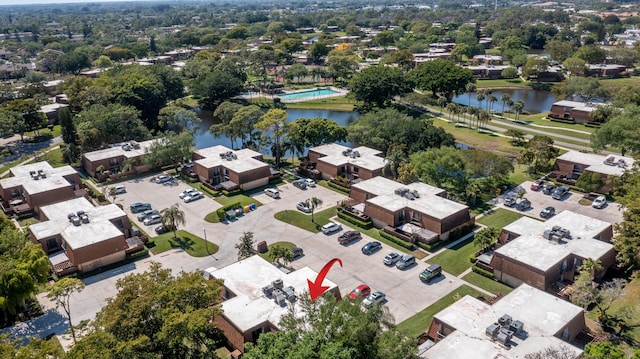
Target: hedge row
column 473, row 258
column 431, row 247
column 231, row 193
column 338, row 188
column 354, row 221
column 396, row 240
column 482, row 272
column 209, row 191
column 221, row 211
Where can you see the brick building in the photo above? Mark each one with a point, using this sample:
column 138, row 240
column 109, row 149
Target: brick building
column 249, row 307
column 569, row 166
column 541, row 254
column 33, row 185
column 78, row 236
column 524, row 321
column 223, row 168
column 333, row 160
column 415, row 208
column 112, row 159
column 579, row 112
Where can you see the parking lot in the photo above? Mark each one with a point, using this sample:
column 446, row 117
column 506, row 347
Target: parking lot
column 609, row 213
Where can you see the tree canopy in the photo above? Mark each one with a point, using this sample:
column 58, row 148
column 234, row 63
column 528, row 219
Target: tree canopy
column 441, row 77
column 99, row 126
column 326, row 328
column 377, row 85
column 620, row 131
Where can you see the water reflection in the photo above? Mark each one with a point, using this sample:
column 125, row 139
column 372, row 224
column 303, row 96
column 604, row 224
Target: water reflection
column 535, row 101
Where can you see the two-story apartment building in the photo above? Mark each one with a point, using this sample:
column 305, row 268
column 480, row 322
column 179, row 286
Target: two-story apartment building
column 220, row 167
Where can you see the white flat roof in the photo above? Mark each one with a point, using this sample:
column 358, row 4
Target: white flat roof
column 52, row 107
column 369, row 158
column 98, row 229
column 429, row 202
column 329, row 149
column 245, row 159
column 595, row 162
column 245, row 278
column 533, row 249
column 116, row 150
column 22, row 177
column 543, row 315
column 582, row 106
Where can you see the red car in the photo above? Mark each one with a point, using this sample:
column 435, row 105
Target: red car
column 537, row 185
column 363, row 290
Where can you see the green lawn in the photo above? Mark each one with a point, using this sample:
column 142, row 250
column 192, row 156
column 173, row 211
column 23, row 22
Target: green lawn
column 301, row 220
column 455, row 260
column 242, row 198
column 502, row 83
column 54, row 157
column 420, row 322
column 480, row 140
column 267, row 255
column 519, row 175
column 488, row 284
column 341, row 103
column 191, row 243
column 499, row 218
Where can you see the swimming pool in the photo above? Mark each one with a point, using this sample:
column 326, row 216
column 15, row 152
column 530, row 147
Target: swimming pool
column 308, row 94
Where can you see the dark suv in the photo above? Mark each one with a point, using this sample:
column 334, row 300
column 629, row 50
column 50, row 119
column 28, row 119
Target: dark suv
column 560, row 192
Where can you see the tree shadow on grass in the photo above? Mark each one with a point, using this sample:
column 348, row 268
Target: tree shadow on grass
column 181, row 242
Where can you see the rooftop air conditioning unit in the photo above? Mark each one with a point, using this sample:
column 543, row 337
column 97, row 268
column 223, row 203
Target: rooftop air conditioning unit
column 277, row 284
column 346, row 152
column 504, row 320
column 356, row 153
column 415, row 193
column 517, row 327
column 492, row 330
column 408, row 195
column 267, row 290
column 503, row 338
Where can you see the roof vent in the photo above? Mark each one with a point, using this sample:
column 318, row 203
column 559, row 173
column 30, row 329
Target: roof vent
column 126, row 147
column 356, row 153
column 415, row 194
column 409, row 195
column 135, row 145
column 347, row 152
column 401, row 191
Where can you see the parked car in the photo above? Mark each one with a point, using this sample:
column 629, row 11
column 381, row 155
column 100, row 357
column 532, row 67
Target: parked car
column 599, row 202
column 362, row 290
column 297, row 252
column 524, row 204
column 548, row 189
column 430, row 273
column 371, row 247
column 300, row 184
column 272, row 192
column 139, row 207
column 193, row 196
column 537, row 185
column 163, row 179
column 147, row 213
column 331, row 227
column 406, row 261
column 119, row 189
column 391, row 258
column 310, row 182
column 155, row 219
column 163, row 229
column 510, row 199
column 301, row 206
column 188, row 170
column 187, row 192
column 348, row 237
column 560, row 192
column 548, row 212
column 374, row 298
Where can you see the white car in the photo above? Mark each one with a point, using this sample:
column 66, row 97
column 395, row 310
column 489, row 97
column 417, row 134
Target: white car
column 192, row 197
column 188, row 192
column 373, row 298
column 331, row 227
column 155, row 219
column 599, row 202
column 310, row 182
column 163, row 179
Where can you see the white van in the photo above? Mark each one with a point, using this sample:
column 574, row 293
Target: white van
column 119, row 189
column 272, row 192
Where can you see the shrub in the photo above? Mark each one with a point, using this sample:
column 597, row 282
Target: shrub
column 231, row 193
column 482, row 272
column 338, row 187
column 209, row 191
column 396, row 240
column 137, row 255
column 472, row 258
column 354, row 221
column 431, row 247
column 221, row 211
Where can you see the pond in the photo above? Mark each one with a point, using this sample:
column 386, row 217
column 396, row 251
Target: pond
column 535, row 101
column 204, row 138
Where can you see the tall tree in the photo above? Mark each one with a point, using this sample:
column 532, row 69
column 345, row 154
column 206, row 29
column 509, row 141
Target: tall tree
column 243, row 123
column 441, row 77
column 173, row 148
column 538, row 152
column 246, row 246
column 171, row 217
column 603, row 350
column 627, row 238
column 333, row 329
column 156, row 315
column 441, row 167
column 69, row 133
column 98, row 126
column 396, row 155
column 274, row 130
column 225, row 112
column 60, row 293
column 176, row 118
column 486, row 237
column 620, row 131
column 313, row 203
column 378, row 85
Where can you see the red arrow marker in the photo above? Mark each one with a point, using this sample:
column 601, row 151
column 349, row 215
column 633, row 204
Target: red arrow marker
column 316, row 288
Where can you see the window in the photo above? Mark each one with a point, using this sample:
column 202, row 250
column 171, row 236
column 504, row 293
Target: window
column 356, row 169
column 416, row 216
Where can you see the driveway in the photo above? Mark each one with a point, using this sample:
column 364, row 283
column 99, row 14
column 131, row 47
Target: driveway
column 610, row 213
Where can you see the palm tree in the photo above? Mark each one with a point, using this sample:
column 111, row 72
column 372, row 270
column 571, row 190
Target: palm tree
column 591, row 265
column 442, row 101
column 470, row 87
column 313, row 203
column 517, row 108
column 451, row 108
column 457, row 109
column 491, row 99
column 172, row 216
column 396, row 154
column 473, row 111
column 480, row 97
column 483, row 117
column 487, row 93
column 505, row 97
column 510, row 104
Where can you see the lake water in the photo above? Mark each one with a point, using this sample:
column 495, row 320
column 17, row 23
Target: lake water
column 535, row 101
column 204, row 138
